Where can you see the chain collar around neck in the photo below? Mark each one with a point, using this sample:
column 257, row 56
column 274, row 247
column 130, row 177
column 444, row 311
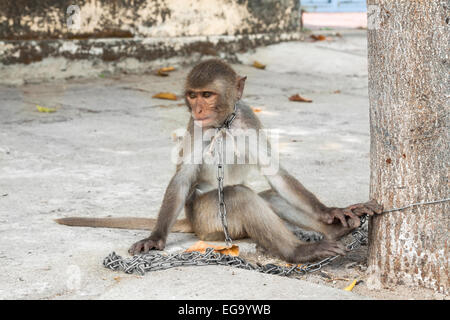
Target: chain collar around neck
column 227, row 123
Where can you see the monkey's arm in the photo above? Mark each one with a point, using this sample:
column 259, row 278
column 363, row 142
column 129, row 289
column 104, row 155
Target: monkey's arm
column 173, row 202
column 297, row 195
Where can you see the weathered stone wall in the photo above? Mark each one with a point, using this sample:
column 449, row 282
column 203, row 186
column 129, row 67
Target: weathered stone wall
column 47, row 19
column 111, row 30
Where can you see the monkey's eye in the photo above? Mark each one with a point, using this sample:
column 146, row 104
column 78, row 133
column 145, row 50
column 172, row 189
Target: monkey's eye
column 192, row 95
column 207, row 94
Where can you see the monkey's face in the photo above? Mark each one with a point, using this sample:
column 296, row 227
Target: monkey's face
column 210, row 105
column 211, row 92
column 203, row 106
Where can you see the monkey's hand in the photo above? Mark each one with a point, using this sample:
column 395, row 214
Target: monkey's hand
column 146, row 245
column 350, row 216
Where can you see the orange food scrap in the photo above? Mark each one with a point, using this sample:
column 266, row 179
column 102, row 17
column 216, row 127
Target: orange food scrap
column 165, row 95
column 299, row 98
column 290, row 265
column 201, row 246
column 256, row 109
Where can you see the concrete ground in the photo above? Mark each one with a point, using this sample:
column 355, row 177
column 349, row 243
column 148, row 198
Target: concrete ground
column 105, row 151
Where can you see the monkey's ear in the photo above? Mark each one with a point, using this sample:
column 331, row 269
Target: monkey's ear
column 240, row 86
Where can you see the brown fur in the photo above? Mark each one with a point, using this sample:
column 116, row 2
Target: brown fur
column 130, row 223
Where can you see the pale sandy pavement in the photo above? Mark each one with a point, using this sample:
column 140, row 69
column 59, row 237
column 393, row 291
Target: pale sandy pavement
column 105, row 152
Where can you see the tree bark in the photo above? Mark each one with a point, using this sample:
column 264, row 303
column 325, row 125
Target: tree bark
column 408, row 47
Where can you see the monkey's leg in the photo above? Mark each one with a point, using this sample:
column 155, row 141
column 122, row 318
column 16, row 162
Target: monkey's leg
column 288, row 212
column 250, row 215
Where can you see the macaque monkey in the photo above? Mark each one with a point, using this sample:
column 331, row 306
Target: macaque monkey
column 213, row 91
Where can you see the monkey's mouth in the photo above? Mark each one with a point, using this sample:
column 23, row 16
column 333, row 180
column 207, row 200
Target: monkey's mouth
column 203, row 121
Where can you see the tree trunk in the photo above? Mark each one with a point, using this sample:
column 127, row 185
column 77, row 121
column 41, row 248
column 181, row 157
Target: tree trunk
column 408, row 47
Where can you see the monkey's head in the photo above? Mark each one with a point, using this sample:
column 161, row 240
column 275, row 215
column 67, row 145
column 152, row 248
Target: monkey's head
column 212, row 88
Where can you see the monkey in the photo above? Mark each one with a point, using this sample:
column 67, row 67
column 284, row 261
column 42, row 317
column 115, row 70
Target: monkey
column 213, row 92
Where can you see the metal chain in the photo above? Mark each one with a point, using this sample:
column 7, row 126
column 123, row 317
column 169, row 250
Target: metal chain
column 221, row 175
column 153, row 261
column 220, row 178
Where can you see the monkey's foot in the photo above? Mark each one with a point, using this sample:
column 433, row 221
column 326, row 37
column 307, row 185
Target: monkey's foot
column 317, row 251
column 307, row 236
column 146, row 245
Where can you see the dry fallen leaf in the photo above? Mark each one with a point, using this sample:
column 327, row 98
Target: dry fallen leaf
column 351, row 286
column 165, row 95
column 299, row 98
column 45, row 109
column 166, row 69
column 259, row 65
column 163, row 71
column 201, row 246
column 162, row 74
column 319, row 37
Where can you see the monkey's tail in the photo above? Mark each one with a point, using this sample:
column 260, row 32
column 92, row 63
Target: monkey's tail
column 182, row 225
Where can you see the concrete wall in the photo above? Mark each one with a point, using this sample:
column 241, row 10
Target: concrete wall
column 108, row 33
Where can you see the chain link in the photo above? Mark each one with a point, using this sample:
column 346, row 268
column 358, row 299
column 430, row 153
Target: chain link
column 154, row 261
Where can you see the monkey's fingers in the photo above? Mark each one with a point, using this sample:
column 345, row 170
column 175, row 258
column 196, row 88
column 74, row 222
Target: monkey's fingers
column 370, row 208
column 358, row 208
column 361, row 209
column 145, row 246
column 337, row 214
column 347, row 217
column 374, row 206
column 354, row 221
column 331, row 248
column 343, row 220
